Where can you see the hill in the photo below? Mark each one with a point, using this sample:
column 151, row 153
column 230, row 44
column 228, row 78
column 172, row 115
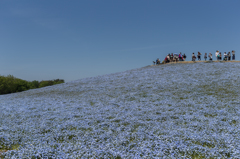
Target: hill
column 189, row 110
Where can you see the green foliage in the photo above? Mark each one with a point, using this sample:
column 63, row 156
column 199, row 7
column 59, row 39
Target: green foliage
column 11, row 84
column 35, row 84
column 44, row 84
column 50, row 82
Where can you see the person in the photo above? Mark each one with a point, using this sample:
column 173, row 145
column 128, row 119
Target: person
column 225, row 56
column 229, row 56
column 216, row 54
column 180, row 57
column 171, row 57
column 184, row 57
column 193, row 57
column 210, row 56
column 168, row 57
column 205, row 56
column 166, row 60
column 199, row 56
column 175, row 57
column 220, row 56
column 233, row 55
column 157, row 61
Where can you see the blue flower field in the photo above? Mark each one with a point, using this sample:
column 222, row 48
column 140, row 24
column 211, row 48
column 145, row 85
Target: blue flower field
column 165, row 111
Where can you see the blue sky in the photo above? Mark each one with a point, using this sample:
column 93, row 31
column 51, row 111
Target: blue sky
column 70, row 40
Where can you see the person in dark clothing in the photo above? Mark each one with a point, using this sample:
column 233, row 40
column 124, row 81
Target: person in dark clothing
column 229, row 56
column 233, row 55
column 158, row 61
column 199, row 56
column 184, row 57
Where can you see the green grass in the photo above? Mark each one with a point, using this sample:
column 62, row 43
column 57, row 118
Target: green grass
column 5, row 149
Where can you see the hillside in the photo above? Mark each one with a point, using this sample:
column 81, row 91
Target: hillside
column 180, row 110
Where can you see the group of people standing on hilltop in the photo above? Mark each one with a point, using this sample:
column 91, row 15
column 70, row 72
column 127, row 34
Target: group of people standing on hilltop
column 226, row 56
column 175, row 57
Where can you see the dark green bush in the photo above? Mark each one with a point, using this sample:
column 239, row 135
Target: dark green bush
column 11, row 84
column 45, row 83
column 50, row 82
column 35, row 84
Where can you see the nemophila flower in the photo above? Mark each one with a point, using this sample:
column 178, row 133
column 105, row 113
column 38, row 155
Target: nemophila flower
column 152, row 112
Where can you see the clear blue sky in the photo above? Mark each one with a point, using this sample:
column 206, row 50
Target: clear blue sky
column 50, row 39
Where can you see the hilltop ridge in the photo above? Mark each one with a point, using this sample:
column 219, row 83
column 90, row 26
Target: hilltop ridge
column 185, row 62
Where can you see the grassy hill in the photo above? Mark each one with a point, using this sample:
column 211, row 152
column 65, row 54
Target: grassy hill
column 180, row 110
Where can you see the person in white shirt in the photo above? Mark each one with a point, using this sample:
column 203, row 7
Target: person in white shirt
column 225, row 56
column 193, row 57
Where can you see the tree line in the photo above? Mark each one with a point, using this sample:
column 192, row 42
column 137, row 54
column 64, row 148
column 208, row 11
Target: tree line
column 11, row 84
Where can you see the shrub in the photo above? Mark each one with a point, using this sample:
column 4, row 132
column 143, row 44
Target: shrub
column 35, row 84
column 50, row 82
column 11, row 84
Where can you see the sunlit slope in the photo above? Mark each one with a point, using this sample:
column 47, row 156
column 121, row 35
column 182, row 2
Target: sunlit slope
column 189, row 110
